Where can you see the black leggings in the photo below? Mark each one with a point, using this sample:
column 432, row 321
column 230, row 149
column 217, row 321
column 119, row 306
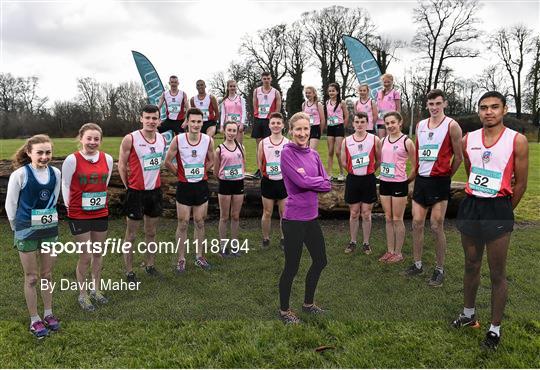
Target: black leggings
column 296, row 234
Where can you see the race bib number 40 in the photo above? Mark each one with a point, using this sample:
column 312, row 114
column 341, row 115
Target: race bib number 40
column 428, row 152
column 44, row 218
column 485, row 181
column 152, row 161
column 194, row 172
column 388, row 170
column 233, row 172
column 94, row 201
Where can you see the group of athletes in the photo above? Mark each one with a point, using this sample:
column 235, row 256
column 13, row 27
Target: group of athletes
column 495, row 159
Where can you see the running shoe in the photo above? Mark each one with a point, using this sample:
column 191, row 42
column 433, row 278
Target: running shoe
column 350, row 248
column 99, row 297
column 412, row 271
column 39, row 330
column 463, row 320
column 491, row 341
column 202, row 263
column 86, row 303
column 257, row 174
column 266, row 243
column 282, row 244
column 131, row 277
column 395, row 258
column 437, row 279
column 341, row 177
column 52, row 323
column 386, row 256
column 366, row 248
column 289, row 318
column 236, row 254
column 152, row 271
column 313, row 309
column 180, row 267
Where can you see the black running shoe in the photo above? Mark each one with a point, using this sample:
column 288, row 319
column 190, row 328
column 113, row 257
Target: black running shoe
column 289, row 318
column 412, row 271
column 437, row 279
column 313, row 309
column 366, row 248
column 463, row 320
column 491, row 341
column 266, row 243
column 151, row 270
column 257, row 174
column 131, row 277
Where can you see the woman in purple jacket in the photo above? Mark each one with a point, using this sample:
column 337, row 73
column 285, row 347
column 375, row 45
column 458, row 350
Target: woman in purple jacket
column 304, row 177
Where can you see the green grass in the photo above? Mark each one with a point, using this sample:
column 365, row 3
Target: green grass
column 526, row 211
column 227, row 317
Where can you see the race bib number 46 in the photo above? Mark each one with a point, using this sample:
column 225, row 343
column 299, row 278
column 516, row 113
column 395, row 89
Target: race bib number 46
column 44, row 218
column 94, row 201
column 485, row 181
column 152, row 161
column 388, row 170
column 194, row 172
column 428, row 152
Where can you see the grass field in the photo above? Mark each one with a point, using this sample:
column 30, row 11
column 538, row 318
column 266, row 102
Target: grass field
column 227, row 317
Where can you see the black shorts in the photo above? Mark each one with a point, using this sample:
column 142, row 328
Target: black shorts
column 207, row 124
column 261, row 128
column 485, row 218
column 430, row 190
column 393, row 189
column 81, row 226
column 338, row 130
column 141, row 203
column 360, row 189
column 170, row 124
column 315, row 132
column 273, row 189
column 231, row 187
column 192, row 193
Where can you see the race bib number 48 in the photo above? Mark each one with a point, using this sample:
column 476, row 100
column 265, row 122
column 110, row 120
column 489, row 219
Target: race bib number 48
column 152, row 161
column 485, row 181
column 94, row 201
column 44, row 218
column 388, row 170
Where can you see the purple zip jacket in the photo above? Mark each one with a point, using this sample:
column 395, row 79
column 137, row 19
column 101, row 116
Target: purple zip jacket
column 302, row 202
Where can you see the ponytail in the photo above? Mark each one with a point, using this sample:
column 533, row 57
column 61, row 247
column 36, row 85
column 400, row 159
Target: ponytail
column 21, row 158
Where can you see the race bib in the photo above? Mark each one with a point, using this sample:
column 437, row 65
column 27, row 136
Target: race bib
column 205, row 114
column 94, row 201
column 485, row 181
column 388, row 170
column 44, row 218
column 264, row 109
column 174, row 108
column 428, row 152
column 360, row 160
column 311, row 120
column 273, row 169
column 381, row 114
column 333, row 120
column 233, row 117
column 194, row 172
column 152, row 161
column 233, row 172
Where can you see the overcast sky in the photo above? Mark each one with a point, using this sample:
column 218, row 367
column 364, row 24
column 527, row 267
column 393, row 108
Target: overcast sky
column 59, row 41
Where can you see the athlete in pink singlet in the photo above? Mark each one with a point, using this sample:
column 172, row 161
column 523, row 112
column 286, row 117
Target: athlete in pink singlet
column 367, row 105
column 317, row 121
column 233, row 108
column 388, row 100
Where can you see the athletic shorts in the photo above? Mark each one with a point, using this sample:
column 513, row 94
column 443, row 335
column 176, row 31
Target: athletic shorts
column 360, row 189
column 273, row 189
column 485, row 218
column 170, row 124
column 338, row 130
column 81, row 226
column 140, row 203
column 261, row 129
column 32, row 245
column 393, row 189
column 315, row 132
column 430, row 190
column 192, row 193
column 207, row 124
column 231, row 187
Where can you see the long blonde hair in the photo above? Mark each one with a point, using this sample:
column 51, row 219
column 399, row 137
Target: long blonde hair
column 314, row 91
column 21, row 158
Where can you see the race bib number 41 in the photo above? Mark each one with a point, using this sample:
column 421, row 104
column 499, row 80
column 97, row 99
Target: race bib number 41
column 485, row 181
column 388, row 170
column 44, row 218
column 94, row 201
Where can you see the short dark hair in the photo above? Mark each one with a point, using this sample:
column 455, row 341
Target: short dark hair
column 393, row 114
column 173, row 76
column 266, row 73
column 493, row 94
column 435, row 93
column 275, row 115
column 361, row 115
column 150, row 108
column 193, row 111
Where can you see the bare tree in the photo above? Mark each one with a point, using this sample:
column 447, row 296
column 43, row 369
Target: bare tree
column 511, row 47
column 218, row 84
column 32, row 103
column 385, row 50
column 296, row 59
column 492, row 79
column 533, row 101
column 11, row 90
column 445, row 27
column 89, row 96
